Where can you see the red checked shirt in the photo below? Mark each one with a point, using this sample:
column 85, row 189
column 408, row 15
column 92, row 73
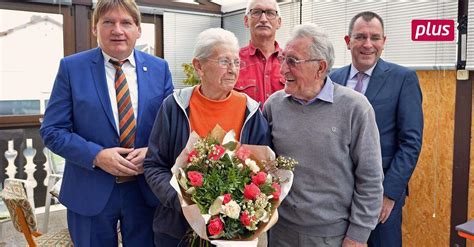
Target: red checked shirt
column 259, row 77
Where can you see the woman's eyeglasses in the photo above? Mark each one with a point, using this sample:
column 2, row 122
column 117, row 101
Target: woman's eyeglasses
column 226, row 63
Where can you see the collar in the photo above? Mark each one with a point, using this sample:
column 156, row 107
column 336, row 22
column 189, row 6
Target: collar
column 254, row 49
column 326, row 94
column 368, row 72
column 131, row 58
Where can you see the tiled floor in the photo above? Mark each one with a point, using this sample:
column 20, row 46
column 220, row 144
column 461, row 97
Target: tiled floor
column 57, row 221
column 11, row 237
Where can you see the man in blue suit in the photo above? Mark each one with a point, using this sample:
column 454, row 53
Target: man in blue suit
column 99, row 117
column 395, row 95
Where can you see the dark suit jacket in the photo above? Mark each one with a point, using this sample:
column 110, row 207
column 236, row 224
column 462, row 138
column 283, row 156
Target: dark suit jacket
column 395, row 95
column 78, row 123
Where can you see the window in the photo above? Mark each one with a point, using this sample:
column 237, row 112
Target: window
column 31, row 44
column 234, row 22
column 335, row 16
column 180, row 32
column 146, row 42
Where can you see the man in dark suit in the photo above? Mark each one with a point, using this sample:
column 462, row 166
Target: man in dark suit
column 99, row 117
column 395, row 95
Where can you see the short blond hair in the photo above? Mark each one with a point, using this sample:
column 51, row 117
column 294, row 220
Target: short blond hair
column 103, row 6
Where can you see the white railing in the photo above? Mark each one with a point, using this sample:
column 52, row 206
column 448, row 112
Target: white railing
column 26, row 159
column 30, row 167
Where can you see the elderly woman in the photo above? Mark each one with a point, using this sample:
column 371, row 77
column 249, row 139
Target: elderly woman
column 199, row 109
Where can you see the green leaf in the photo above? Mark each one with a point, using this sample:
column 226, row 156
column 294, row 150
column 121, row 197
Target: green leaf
column 230, row 146
column 216, row 206
column 191, row 77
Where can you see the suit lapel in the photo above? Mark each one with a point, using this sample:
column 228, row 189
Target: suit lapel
column 143, row 82
column 100, row 81
column 377, row 80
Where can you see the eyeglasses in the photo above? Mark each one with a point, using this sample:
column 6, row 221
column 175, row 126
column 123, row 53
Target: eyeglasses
column 269, row 13
column 292, row 62
column 226, row 63
column 363, row 37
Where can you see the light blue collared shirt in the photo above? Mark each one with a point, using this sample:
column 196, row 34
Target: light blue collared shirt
column 351, row 83
column 326, row 94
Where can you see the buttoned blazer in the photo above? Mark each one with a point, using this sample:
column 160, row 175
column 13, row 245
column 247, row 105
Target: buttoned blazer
column 78, row 123
column 396, row 97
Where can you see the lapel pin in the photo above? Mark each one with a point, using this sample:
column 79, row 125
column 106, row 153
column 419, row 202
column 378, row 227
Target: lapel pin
column 145, row 69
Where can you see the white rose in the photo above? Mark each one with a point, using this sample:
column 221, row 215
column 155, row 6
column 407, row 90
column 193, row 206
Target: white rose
column 269, row 179
column 262, row 215
column 231, row 209
column 252, row 165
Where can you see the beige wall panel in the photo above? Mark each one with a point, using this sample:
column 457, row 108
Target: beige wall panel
column 426, row 215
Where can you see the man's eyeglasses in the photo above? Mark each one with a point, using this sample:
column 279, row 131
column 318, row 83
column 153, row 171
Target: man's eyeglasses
column 362, row 37
column 226, row 63
column 269, row 13
column 292, row 62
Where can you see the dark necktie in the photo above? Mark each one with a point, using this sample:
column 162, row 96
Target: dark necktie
column 127, row 123
column 360, row 82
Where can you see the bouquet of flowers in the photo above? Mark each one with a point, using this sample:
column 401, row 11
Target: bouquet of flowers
column 230, row 191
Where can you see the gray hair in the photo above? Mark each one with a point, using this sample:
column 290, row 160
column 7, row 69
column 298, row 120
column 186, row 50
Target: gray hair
column 252, row 3
column 210, row 38
column 321, row 47
column 366, row 16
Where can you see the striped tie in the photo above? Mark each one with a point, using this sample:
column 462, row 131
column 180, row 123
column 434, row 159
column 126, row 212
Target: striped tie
column 127, row 124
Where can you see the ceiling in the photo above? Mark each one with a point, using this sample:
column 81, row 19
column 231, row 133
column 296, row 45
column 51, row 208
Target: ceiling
column 231, row 5
column 227, row 5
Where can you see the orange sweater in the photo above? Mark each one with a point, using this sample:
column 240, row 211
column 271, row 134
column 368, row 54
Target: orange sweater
column 205, row 114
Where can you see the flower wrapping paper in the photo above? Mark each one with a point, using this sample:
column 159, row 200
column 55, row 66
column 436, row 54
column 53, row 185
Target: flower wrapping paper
column 191, row 211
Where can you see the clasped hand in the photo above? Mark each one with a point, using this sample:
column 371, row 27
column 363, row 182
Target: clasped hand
column 121, row 161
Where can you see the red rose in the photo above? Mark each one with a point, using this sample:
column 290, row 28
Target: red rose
column 227, row 198
column 260, row 178
column 192, row 155
column 242, row 153
column 215, row 226
column 217, row 152
column 251, row 191
column 276, row 194
column 195, row 178
column 245, row 219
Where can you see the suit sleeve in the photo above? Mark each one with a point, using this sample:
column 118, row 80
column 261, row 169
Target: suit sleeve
column 168, row 81
column 410, row 134
column 58, row 125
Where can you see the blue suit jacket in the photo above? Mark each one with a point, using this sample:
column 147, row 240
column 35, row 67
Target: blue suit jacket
column 78, row 123
column 395, row 95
